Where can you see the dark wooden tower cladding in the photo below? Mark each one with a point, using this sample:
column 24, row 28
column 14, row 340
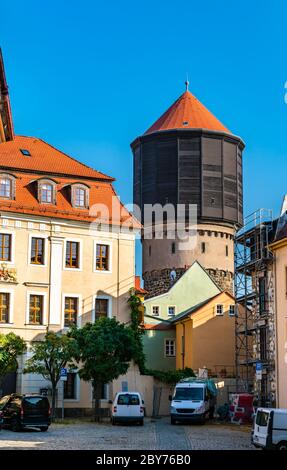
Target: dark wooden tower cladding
column 188, row 157
column 190, row 167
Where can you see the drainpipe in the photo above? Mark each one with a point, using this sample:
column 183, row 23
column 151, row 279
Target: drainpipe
column 183, row 345
column 118, row 276
column 276, row 332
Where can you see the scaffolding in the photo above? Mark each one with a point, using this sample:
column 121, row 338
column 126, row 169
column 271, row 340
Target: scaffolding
column 253, row 275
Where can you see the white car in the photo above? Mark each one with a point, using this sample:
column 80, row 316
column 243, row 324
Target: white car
column 128, row 407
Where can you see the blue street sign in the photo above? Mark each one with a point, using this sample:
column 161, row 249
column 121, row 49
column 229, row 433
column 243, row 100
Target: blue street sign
column 64, row 372
column 259, row 366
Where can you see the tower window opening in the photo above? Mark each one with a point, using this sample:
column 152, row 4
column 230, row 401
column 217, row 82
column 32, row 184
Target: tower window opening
column 149, row 250
column 226, row 250
column 209, row 233
column 212, row 201
column 203, row 247
column 173, row 248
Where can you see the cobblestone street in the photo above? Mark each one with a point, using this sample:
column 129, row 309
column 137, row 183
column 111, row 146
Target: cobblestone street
column 154, row 435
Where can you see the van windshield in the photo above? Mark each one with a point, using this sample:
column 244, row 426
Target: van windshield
column 182, row 393
column 262, row 418
column 128, row 399
column 32, row 403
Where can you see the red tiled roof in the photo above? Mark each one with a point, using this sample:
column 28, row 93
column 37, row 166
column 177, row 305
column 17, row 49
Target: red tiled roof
column 187, row 112
column 47, row 162
column 44, row 159
column 100, row 192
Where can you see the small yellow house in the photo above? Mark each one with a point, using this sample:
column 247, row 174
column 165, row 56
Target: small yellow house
column 205, row 336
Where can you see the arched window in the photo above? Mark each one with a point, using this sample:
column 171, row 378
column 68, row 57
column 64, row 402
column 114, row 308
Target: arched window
column 80, row 196
column 7, row 186
column 46, row 191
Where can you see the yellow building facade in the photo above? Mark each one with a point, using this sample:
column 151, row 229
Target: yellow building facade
column 205, row 336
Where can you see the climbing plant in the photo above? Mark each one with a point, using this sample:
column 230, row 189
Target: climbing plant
column 137, row 327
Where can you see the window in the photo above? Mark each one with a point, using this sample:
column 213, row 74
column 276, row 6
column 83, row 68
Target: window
column 36, row 310
column 263, row 344
column 169, row 347
column 25, row 152
column 5, row 247
column 70, row 386
column 80, row 197
column 232, row 310
column 203, row 247
column 71, row 311
column 37, row 250
column 4, row 307
column 72, row 255
column 46, row 193
column 102, row 262
column 173, row 248
column 155, row 310
column 171, row 311
column 101, row 308
column 6, row 187
column 226, row 250
column 149, row 250
column 219, row 309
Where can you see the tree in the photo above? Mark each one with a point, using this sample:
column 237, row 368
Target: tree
column 172, row 376
column 11, row 346
column 105, row 349
column 137, row 327
column 49, row 356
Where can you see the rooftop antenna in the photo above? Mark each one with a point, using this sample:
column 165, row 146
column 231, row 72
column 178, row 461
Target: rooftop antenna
column 186, row 82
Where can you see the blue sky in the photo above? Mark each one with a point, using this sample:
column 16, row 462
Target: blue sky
column 90, row 76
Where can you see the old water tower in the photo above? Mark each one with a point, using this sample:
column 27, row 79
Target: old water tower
column 188, row 157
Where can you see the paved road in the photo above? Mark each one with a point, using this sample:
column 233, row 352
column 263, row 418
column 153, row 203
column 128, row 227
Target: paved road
column 154, row 435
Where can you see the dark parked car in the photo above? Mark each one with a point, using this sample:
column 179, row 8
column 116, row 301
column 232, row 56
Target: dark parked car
column 20, row 411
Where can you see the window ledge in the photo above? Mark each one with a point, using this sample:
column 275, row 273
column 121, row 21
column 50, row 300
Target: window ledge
column 6, row 325
column 36, row 327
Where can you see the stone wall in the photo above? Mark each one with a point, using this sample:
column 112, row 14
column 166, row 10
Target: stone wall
column 158, row 281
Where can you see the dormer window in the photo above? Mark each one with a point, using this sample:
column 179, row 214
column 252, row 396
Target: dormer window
column 80, row 196
column 46, row 192
column 7, row 186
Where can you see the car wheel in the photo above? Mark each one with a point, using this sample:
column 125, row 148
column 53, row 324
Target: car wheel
column 172, row 421
column 44, row 428
column 141, row 422
column 282, row 445
column 113, row 421
column 15, row 426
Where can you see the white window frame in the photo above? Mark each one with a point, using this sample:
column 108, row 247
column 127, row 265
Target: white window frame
column 110, row 306
column 174, row 347
column 79, row 319
column 78, row 388
column 30, row 325
column 44, row 237
column 76, row 240
column 171, row 306
column 234, row 310
column 11, row 307
column 110, row 245
column 216, row 310
column 12, row 251
column 158, row 306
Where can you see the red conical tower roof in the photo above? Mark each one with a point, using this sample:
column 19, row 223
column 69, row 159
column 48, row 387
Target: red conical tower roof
column 187, row 112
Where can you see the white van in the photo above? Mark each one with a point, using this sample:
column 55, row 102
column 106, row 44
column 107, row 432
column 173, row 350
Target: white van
column 128, row 406
column 193, row 400
column 270, row 428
